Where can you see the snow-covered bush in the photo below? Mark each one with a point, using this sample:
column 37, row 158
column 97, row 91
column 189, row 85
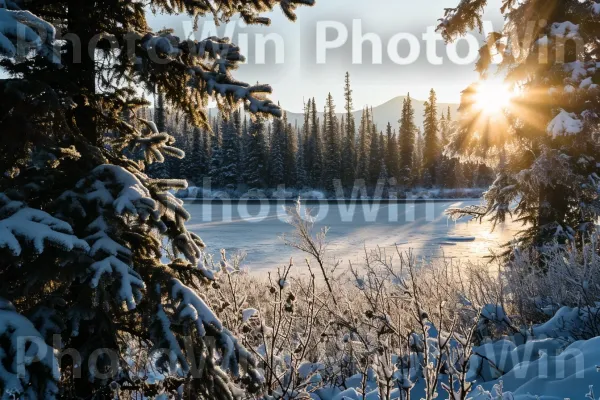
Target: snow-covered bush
column 570, row 277
column 395, row 327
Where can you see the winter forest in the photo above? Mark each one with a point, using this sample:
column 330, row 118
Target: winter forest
column 261, row 154
column 169, row 231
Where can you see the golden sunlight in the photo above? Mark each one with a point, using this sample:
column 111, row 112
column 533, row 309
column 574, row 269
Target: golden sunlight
column 492, row 98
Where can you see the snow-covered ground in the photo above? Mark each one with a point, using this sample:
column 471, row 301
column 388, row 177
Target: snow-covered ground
column 256, row 229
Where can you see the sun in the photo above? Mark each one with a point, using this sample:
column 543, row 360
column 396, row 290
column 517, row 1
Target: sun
column 492, row 98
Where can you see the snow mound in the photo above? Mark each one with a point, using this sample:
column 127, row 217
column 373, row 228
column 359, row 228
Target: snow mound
column 535, row 370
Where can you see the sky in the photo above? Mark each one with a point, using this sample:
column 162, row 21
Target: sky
column 298, row 63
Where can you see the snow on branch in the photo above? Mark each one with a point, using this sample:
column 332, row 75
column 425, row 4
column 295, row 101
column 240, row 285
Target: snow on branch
column 103, row 243
column 22, row 352
column 131, row 282
column 31, row 227
column 21, row 31
column 564, row 124
column 207, row 65
column 192, row 307
column 166, row 343
column 132, row 196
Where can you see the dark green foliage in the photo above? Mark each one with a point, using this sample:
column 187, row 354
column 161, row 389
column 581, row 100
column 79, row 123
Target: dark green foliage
column 118, row 269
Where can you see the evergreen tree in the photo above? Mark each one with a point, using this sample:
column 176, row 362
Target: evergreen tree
column 301, row 174
column 375, row 158
column 383, row 179
column 307, row 155
column 315, row 148
column 216, row 159
column 417, row 167
column 243, row 148
column 331, row 155
column 229, row 173
column 257, row 172
column 94, row 250
column 392, row 161
column 444, row 170
column 205, row 155
column 276, row 153
column 550, row 129
column 431, row 150
column 348, row 156
column 291, row 148
column 184, row 141
column 406, row 143
column 194, row 159
column 364, row 144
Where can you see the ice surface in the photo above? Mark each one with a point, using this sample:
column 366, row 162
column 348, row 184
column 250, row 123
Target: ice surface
column 419, row 226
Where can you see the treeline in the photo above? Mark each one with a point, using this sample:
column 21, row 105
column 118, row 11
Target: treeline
column 335, row 148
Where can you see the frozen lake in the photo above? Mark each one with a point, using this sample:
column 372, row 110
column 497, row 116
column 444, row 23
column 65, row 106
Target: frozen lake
column 256, row 229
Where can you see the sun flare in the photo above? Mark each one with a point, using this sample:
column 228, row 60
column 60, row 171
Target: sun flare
column 492, row 98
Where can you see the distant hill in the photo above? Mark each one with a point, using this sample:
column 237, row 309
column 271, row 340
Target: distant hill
column 389, row 111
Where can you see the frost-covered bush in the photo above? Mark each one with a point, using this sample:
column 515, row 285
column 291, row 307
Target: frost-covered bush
column 383, row 328
column 570, row 277
column 394, row 326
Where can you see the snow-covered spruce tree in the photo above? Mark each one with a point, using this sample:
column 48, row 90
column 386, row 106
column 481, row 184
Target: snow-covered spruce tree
column 83, row 229
column 548, row 51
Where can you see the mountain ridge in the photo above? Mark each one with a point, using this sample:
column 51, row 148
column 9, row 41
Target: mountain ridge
column 390, row 111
